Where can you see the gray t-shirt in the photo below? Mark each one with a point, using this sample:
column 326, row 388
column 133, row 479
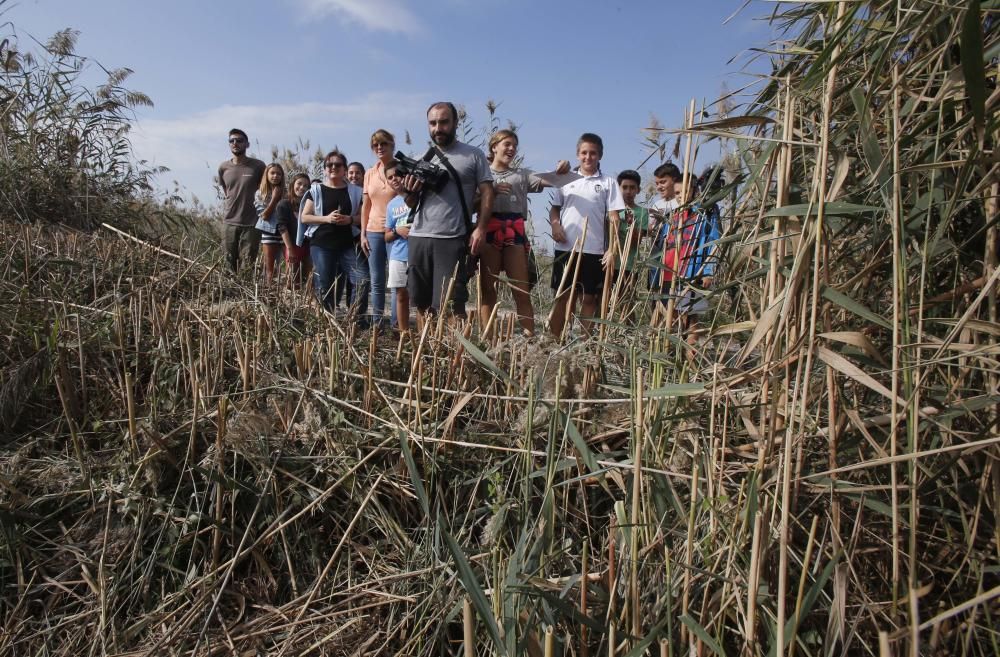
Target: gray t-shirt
column 522, row 182
column 440, row 213
column 239, row 184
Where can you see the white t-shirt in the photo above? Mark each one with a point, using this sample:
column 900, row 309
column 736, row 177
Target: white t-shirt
column 664, row 207
column 587, row 202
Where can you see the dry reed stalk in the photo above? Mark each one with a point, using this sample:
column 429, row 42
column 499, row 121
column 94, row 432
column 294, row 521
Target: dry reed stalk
column 369, row 372
column 220, row 435
column 689, row 545
column 810, row 543
column 612, row 573
column 584, row 579
column 63, row 390
column 914, row 622
column 611, row 231
column 147, row 244
column 133, row 443
column 487, row 329
column 818, row 237
column 884, row 649
column 574, row 259
column 445, row 313
column 678, row 227
column 897, row 339
column 469, row 629
column 638, row 436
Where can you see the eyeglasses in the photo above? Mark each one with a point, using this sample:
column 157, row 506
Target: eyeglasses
column 334, row 165
column 236, row 140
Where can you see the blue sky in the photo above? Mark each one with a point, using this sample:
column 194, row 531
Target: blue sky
column 332, row 71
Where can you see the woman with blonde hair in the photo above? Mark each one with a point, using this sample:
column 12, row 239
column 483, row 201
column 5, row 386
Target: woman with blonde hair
column 269, row 194
column 377, row 194
column 507, row 246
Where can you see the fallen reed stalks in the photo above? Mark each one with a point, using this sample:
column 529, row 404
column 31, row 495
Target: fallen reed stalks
column 192, row 463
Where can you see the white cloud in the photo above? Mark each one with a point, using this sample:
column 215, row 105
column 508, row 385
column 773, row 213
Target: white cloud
column 193, row 145
column 376, row 15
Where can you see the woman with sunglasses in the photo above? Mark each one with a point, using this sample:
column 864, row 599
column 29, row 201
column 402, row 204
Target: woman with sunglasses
column 329, row 210
column 378, row 192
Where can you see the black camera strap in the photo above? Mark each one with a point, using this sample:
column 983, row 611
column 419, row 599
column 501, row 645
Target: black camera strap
column 413, row 211
column 458, row 182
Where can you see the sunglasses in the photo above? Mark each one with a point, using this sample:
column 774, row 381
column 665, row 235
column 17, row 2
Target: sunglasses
column 334, row 165
column 386, row 144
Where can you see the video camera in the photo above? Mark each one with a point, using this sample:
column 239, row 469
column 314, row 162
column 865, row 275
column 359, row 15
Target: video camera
column 432, row 176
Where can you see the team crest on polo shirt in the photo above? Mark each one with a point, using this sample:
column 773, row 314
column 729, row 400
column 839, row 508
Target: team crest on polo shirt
column 598, row 188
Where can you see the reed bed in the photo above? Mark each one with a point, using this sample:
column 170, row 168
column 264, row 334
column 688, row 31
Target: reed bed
column 194, row 464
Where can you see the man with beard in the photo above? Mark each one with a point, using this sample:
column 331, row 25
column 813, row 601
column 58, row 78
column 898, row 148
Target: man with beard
column 441, row 233
column 239, row 178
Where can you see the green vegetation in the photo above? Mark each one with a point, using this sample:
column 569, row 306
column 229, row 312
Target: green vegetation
column 192, row 465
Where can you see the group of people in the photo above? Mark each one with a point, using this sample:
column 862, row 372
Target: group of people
column 408, row 226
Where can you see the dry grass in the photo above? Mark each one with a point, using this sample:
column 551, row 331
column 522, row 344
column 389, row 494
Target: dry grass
column 195, row 465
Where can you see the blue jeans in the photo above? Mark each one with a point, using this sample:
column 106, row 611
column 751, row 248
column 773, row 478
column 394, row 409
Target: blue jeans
column 327, row 263
column 378, row 261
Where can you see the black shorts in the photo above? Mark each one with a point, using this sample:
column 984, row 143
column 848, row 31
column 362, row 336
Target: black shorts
column 591, row 277
column 430, row 265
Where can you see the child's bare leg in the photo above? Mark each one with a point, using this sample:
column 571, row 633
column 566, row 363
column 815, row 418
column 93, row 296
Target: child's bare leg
column 515, row 263
column 490, row 262
column 588, row 310
column 403, row 309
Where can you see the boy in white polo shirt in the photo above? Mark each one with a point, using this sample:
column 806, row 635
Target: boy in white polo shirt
column 592, row 201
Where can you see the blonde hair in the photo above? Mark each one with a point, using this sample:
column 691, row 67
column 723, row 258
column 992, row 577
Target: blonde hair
column 498, row 137
column 381, row 135
column 265, row 188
